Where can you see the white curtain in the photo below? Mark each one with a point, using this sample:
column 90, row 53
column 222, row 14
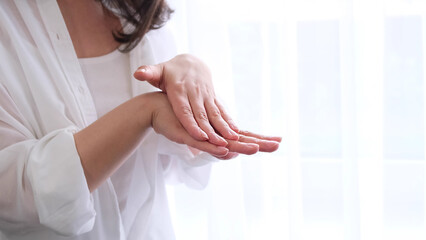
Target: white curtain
column 343, row 82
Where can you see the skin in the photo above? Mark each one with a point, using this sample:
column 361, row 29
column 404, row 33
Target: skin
column 105, row 144
column 193, row 97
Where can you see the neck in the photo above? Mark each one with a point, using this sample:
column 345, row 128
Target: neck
column 90, row 26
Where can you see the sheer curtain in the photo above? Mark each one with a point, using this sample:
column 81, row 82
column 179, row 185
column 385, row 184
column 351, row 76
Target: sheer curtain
column 343, row 82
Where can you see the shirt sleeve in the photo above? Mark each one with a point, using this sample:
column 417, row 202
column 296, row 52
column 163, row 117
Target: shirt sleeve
column 41, row 180
column 181, row 166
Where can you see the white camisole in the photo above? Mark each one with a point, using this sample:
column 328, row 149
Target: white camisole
column 108, row 80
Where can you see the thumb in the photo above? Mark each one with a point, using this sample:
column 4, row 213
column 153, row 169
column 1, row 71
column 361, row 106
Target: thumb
column 153, row 74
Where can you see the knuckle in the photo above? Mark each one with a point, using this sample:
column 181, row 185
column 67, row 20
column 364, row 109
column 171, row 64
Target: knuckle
column 215, row 113
column 197, row 89
column 179, row 87
column 185, row 110
column 202, row 116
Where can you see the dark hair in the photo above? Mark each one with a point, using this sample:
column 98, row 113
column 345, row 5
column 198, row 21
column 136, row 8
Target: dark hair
column 141, row 15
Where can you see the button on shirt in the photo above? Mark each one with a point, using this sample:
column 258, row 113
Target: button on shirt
column 45, row 97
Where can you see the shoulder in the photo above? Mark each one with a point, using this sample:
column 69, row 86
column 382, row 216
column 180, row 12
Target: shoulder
column 9, row 13
column 15, row 16
column 17, row 19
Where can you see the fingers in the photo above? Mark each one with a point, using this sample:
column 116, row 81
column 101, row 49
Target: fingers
column 183, row 111
column 248, row 146
column 150, row 73
column 215, row 118
column 202, row 119
column 245, row 145
column 165, row 122
column 264, row 145
column 252, row 144
column 259, row 136
column 226, row 117
column 218, row 151
column 241, row 147
column 201, row 122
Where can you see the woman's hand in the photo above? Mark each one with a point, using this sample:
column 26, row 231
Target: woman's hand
column 165, row 122
column 250, row 143
column 106, row 143
column 188, row 84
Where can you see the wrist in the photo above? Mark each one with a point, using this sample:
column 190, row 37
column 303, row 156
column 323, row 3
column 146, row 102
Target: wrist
column 142, row 107
column 147, row 107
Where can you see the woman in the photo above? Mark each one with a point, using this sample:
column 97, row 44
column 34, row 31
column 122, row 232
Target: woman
column 85, row 150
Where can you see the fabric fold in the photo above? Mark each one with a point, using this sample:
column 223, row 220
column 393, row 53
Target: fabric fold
column 61, row 194
column 49, row 185
column 181, row 166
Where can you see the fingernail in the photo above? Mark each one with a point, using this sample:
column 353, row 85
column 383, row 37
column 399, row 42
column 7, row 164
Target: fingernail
column 143, row 70
column 223, row 140
column 204, row 135
column 218, row 140
column 275, row 146
column 254, row 148
column 233, row 135
column 223, row 151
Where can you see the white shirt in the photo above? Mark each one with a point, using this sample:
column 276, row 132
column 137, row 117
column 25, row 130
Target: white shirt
column 44, row 99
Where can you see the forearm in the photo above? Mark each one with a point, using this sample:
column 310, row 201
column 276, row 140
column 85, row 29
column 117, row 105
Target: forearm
column 105, row 144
